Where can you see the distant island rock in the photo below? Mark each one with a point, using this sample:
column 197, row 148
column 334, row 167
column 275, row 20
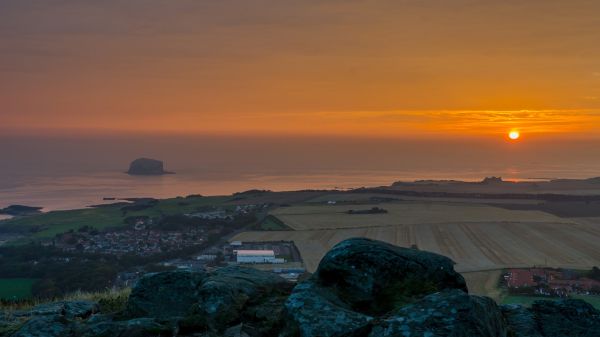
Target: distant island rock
column 147, row 166
column 20, row 210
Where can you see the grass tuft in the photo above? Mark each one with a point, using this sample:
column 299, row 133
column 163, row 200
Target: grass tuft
column 111, row 300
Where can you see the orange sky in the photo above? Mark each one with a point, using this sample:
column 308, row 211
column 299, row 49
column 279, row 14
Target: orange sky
column 384, row 68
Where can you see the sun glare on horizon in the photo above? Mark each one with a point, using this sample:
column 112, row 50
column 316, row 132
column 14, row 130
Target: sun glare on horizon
column 514, row 135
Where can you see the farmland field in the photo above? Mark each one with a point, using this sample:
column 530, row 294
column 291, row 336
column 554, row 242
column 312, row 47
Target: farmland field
column 477, row 237
column 307, row 217
column 15, row 288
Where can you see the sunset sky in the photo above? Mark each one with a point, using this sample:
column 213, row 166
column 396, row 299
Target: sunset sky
column 358, row 68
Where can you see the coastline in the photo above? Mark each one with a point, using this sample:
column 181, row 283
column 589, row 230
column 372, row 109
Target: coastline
column 452, row 188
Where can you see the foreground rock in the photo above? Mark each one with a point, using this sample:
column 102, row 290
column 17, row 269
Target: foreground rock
column 52, row 319
column 447, row 313
column 361, row 281
column 362, row 288
column 213, row 301
column 147, row 166
column 165, row 295
column 565, row 318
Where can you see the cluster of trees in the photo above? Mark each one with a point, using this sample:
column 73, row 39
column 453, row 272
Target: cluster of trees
column 594, row 274
column 58, row 272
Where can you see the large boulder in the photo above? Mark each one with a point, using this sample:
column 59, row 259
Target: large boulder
column 146, row 166
column 165, row 295
column 361, row 280
column 447, row 313
column 564, row 318
column 214, row 301
column 373, row 276
column 235, row 294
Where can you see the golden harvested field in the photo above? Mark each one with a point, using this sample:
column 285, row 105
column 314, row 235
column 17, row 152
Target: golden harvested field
column 484, row 283
column 308, row 217
column 475, row 246
column 368, row 197
column 482, row 239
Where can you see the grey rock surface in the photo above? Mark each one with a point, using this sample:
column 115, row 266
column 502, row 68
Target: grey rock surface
column 232, row 292
column 447, row 313
column 164, row 295
column 564, row 318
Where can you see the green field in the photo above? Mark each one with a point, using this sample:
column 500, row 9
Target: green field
column 47, row 225
column 593, row 300
column 528, row 300
column 271, row 223
column 15, row 288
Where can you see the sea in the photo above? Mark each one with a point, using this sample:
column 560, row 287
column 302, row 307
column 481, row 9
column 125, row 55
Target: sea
column 59, row 172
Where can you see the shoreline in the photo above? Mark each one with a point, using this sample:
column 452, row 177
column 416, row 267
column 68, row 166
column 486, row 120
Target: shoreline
column 489, row 187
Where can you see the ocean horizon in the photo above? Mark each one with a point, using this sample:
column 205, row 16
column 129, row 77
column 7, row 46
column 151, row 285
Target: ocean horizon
column 79, row 191
column 67, row 172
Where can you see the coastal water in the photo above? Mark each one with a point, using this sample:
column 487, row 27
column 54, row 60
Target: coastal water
column 72, row 172
column 76, row 191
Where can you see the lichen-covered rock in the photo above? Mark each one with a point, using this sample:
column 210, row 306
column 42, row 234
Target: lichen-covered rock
column 447, row 313
column 564, row 318
column 370, row 275
column 228, row 292
column 46, row 326
column 314, row 311
column 139, row 327
column 165, row 295
column 68, row 309
column 360, row 280
column 567, row 318
column 521, row 321
column 52, row 319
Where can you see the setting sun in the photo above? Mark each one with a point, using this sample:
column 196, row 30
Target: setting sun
column 514, row 135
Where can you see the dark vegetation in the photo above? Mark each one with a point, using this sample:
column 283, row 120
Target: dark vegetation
column 272, row 223
column 565, row 209
column 594, row 274
column 20, row 210
column 251, row 192
column 374, row 210
column 468, row 195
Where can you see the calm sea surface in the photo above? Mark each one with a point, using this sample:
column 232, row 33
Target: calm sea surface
column 71, row 172
column 76, row 191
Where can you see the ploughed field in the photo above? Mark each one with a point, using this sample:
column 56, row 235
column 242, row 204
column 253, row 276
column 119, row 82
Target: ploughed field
column 478, row 237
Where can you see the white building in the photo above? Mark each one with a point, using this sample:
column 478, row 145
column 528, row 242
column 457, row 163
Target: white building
column 257, row 256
